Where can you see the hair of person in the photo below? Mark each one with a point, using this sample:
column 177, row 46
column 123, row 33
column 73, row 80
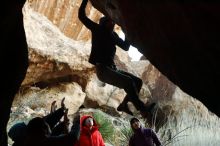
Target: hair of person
column 18, row 131
column 36, row 126
column 134, row 120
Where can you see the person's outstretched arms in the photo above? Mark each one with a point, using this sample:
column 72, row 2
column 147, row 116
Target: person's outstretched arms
column 83, row 18
column 75, row 129
column 124, row 44
column 66, row 121
column 53, row 106
column 53, row 118
column 69, row 139
column 62, row 104
column 62, row 127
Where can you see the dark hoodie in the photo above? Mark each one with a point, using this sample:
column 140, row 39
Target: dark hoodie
column 103, row 40
column 144, row 137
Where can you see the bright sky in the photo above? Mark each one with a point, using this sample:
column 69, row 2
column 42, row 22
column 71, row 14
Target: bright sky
column 132, row 52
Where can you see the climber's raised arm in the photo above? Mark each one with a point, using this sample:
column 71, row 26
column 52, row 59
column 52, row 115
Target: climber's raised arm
column 83, row 18
column 124, row 44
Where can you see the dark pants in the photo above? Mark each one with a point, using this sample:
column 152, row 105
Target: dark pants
column 121, row 79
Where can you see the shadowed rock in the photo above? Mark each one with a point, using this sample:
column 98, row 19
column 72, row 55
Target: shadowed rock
column 180, row 38
column 13, row 58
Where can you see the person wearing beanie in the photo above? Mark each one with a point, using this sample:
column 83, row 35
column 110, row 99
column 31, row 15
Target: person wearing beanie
column 142, row 136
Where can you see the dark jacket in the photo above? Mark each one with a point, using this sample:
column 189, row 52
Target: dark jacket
column 144, row 137
column 103, row 40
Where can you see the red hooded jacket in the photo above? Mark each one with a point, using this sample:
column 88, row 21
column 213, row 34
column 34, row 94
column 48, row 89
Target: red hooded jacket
column 89, row 137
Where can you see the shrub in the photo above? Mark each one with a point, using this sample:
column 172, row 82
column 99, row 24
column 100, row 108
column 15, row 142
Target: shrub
column 106, row 127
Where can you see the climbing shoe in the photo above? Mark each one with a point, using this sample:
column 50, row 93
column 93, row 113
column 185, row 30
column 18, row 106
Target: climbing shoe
column 124, row 108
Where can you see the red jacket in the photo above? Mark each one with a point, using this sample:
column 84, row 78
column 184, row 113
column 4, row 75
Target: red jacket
column 89, row 137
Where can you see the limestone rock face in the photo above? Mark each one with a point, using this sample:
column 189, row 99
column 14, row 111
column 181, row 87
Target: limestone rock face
column 63, row 13
column 56, row 59
column 59, row 68
column 36, row 98
column 52, row 55
column 175, row 37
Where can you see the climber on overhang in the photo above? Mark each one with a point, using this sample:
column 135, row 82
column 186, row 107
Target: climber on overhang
column 102, row 55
